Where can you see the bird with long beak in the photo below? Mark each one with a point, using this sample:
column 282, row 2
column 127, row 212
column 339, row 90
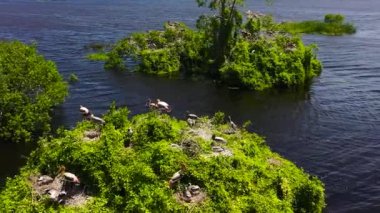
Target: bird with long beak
column 89, row 116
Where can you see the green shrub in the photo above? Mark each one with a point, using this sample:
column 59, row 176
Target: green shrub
column 334, row 18
column 332, row 25
column 30, row 86
column 135, row 178
column 254, row 54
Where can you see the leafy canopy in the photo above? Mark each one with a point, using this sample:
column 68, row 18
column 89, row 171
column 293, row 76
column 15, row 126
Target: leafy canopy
column 124, row 171
column 29, row 86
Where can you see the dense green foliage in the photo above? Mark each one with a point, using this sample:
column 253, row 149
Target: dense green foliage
column 253, row 54
column 129, row 172
column 29, row 87
column 333, row 24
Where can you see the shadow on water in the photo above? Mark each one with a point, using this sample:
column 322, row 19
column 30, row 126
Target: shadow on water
column 12, row 157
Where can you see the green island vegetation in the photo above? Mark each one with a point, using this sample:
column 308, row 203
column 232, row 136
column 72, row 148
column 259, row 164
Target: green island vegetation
column 333, row 24
column 251, row 53
column 153, row 162
column 30, row 86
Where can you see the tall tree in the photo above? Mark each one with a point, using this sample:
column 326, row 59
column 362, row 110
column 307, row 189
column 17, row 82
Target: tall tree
column 222, row 28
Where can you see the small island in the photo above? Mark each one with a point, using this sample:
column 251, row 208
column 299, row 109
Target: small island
column 332, row 25
column 250, row 52
column 152, row 162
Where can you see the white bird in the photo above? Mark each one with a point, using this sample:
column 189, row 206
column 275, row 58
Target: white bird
column 71, row 177
column 218, row 139
column 89, row 116
column 190, row 121
column 163, row 105
column 194, row 189
column 97, row 119
column 233, row 125
column 175, row 178
column 191, row 115
column 84, row 110
column 187, row 196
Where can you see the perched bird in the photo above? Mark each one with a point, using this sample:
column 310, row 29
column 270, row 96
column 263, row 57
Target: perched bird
column 84, row 110
column 175, row 178
column 163, row 105
column 194, row 189
column 89, row 116
column 187, row 195
column 151, row 104
column 190, row 121
column 232, row 124
column 67, row 175
column 218, row 139
column 191, row 115
column 71, row 177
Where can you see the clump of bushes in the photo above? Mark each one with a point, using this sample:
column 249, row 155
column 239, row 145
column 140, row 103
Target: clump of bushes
column 128, row 167
column 30, row 86
column 333, row 25
column 255, row 54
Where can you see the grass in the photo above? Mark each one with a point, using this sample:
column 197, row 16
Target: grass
column 333, row 25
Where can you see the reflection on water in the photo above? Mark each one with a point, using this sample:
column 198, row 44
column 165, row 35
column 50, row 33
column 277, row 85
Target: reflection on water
column 330, row 131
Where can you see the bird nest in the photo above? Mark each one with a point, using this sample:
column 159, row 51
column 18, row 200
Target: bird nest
column 73, row 196
column 195, row 199
column 91, row 135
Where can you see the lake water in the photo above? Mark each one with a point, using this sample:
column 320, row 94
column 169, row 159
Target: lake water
column 331, row 131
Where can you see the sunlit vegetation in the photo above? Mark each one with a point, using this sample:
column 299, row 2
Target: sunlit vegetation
column 252, row 53
column 333, row 24
column 148, row 163
column 30, row 86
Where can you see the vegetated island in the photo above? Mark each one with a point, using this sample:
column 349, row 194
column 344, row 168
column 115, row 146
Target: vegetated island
column 333, row 25
column 252, row 52
column 30, row 86
column 153, row 162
